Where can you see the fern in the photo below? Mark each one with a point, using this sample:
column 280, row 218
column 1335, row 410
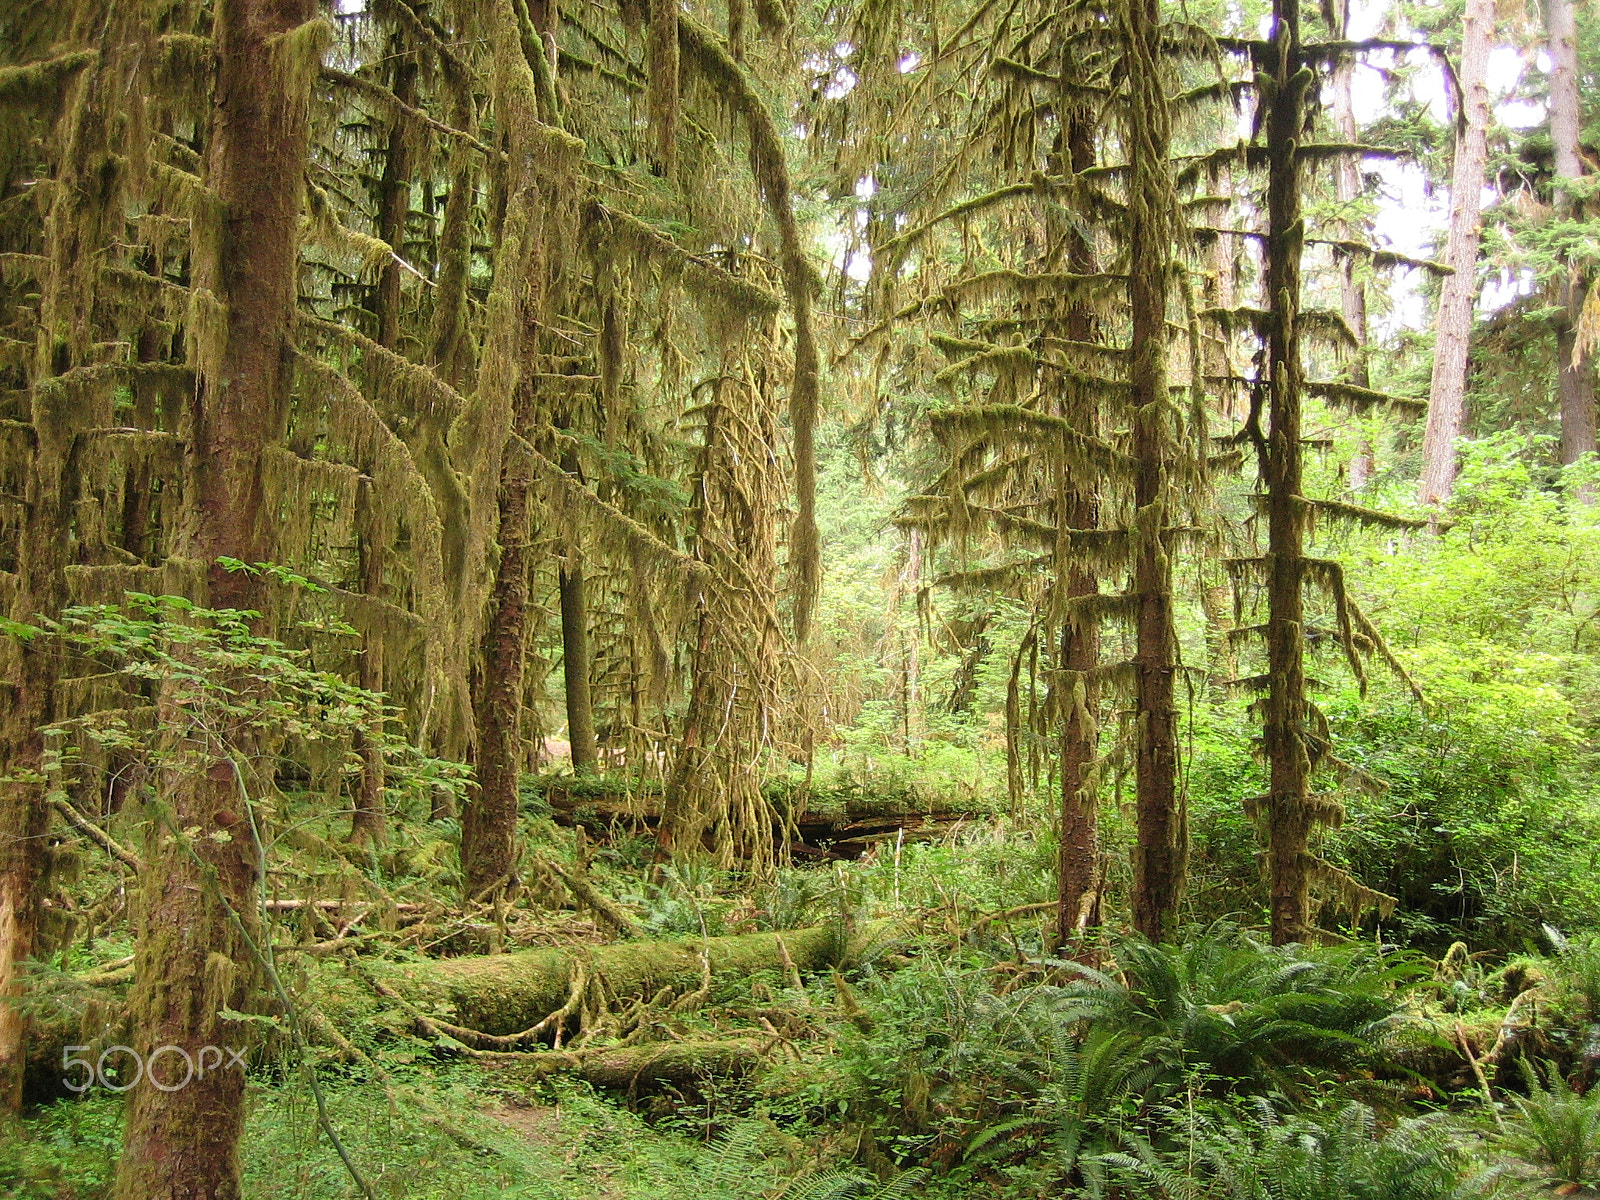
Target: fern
column 1252, row 1153
column 1559, row 1130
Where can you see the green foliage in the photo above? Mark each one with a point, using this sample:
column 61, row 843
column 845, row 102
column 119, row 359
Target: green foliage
column 1253, row 1153
column 1218, row 1006
column 66, row 1150
column 1477, row 808
column 231, row 685
column 1559, row 1129
column 1038, row 1080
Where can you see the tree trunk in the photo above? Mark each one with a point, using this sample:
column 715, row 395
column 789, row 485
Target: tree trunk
column 1078, row 709
column 369, row 823
column 504, row 994
column 575, row 659
column 1160, row 849
column 1352, row 291
column 394, row 200
column 1222, row 664
column 1287, row 806
column 489, row 824
column 1078, row 855
column 1576, row 370
column 501, row 994
column 1457, row 297
column 676, row 814
column 911, row 657
column 23, row 823
column 44, row 547
column 193, row 957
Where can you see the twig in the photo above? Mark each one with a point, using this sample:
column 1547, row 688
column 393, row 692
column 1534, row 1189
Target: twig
column 94, row 833
column 1493, row 1057
column 1021, row 910
column 597, row 901
column 1483, row 1079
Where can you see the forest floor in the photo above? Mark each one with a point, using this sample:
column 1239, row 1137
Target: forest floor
column 943, row 1054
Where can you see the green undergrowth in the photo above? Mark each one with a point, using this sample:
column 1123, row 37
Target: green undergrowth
column 449, row 1133
column 1214, row 1066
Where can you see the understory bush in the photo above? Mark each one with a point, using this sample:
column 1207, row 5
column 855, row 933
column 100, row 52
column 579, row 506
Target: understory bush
column 1034, row 1073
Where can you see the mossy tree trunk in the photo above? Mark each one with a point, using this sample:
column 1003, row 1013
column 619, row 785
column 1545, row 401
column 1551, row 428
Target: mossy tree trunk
column 575, row 665
column 489, row 824
column 1347, row 189
column 58, row 414
column 576, row 658
column 1287, row 810
column 1160, row 849
column 368, row 824
column 1078, row 508
column 193, row 957
column 369, row 821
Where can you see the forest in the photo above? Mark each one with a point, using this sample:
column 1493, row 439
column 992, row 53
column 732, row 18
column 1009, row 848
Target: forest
column 782, row 600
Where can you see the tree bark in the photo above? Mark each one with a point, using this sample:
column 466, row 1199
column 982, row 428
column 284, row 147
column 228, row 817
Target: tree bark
column 1222, row 664
column 504, row 994
column 45, row 542
column 369, row 820
column 1078, row 708
column 676, row 813
column 1457, row 297
column 394, row 199
column 1576, row 369
column 576, row 658
column 501, row 994
column 1352, row 291
column 1287, row 804
column 911, row 657
column 193, row 957
column 1078, row 854
column 1160, row 849
column 489, row 824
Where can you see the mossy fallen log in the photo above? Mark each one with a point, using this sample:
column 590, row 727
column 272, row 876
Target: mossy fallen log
column 497, row 994
column 829, row 827
column 640, row 1068
column 501, row 994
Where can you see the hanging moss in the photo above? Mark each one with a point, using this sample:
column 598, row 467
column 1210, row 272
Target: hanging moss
column 41, row 82
column 711, row 59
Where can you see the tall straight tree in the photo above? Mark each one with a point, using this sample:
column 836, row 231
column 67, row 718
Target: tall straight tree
column 1347, row 189
column 83, row 132
column 1295, row 737
column 194, row 958
column 1061, row 435
column 1078, row 867
column 1161, row 843
column 1459, row 293
column 506, row 410
column 1289, row 756
column 1572, row 359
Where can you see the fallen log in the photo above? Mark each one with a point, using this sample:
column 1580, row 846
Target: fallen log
column 640, row 1068
column 500, row 994
column 494, row 994
column 846, row 833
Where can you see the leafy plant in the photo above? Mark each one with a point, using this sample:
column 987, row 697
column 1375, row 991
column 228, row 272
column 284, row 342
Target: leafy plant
column 1256, row 1154
column 1219, row 1005
column 1559, row 1129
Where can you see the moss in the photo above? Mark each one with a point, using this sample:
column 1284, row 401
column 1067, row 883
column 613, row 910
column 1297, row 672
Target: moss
column 505, row 993
column 41, row 82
